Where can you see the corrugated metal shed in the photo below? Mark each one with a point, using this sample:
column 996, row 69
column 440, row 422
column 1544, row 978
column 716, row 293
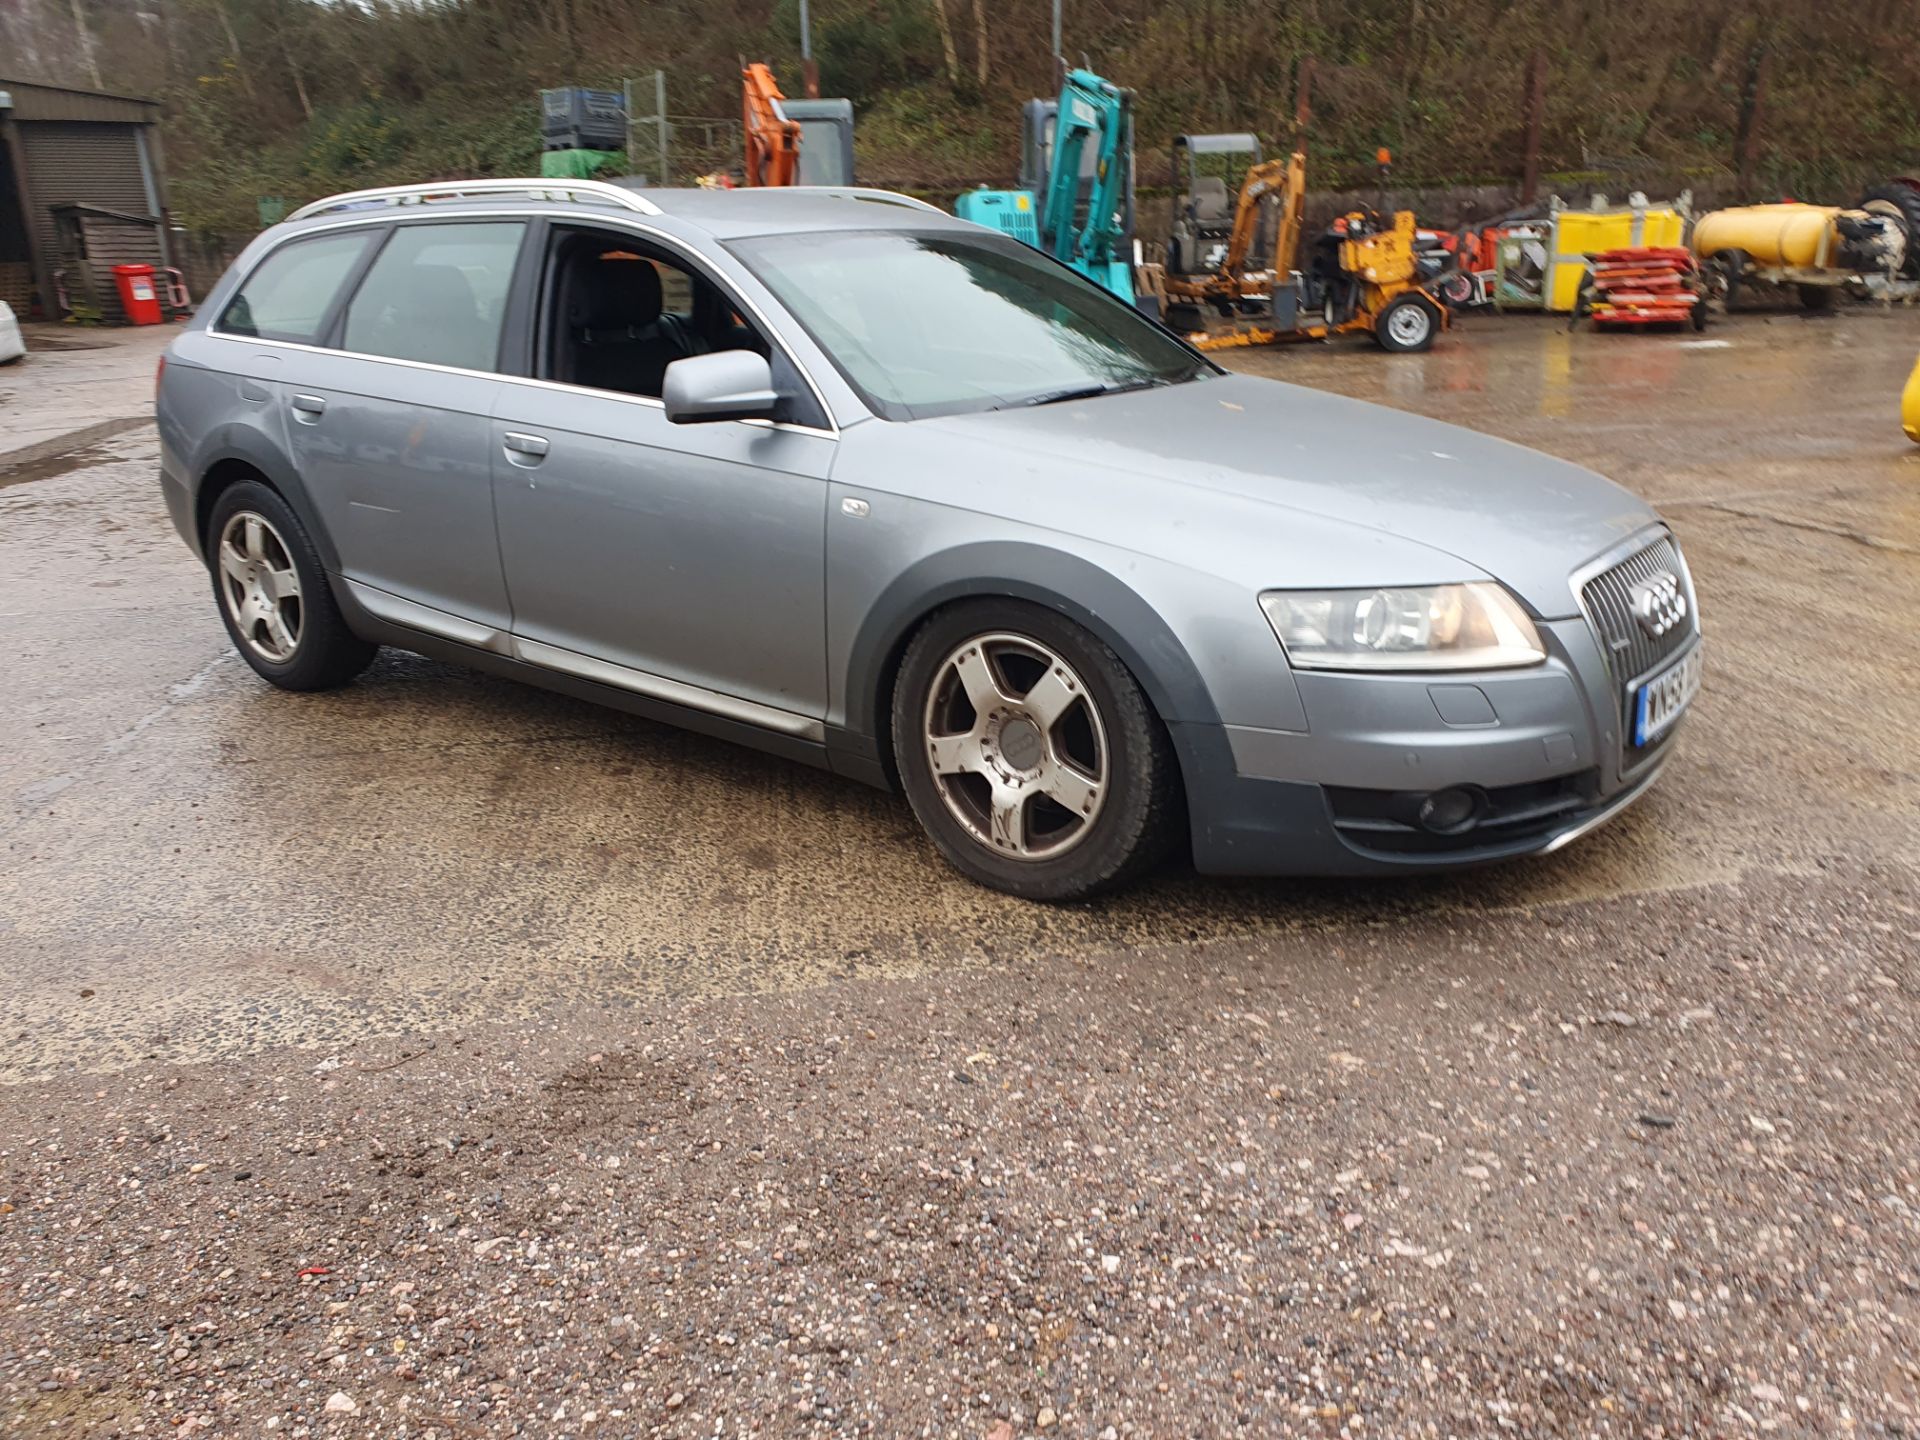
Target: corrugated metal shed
column 81, row 163
column 56, row 102
column 77, row 147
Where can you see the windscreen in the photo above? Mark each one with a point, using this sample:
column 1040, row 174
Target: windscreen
column 942, row 324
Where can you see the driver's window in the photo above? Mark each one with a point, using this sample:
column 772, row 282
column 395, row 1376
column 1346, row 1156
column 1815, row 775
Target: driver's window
column 619, row 313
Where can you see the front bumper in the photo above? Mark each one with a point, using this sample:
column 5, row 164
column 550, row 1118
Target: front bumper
column 1540, row 747
column 1245, row 825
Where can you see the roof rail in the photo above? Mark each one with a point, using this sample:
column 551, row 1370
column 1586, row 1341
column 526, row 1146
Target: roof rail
column 862, row 192
column 600, row 191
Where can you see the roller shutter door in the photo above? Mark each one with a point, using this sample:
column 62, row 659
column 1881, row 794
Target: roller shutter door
column 88, row 163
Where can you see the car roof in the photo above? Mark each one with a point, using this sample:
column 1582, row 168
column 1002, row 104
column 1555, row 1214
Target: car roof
column 783, row 210
column 720, row 213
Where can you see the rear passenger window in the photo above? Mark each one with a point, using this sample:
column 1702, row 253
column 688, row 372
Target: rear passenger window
column 437, row 293
column 289, row 293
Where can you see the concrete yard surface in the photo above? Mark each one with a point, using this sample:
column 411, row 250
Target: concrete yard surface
column 76, row 385
column 443, row 1057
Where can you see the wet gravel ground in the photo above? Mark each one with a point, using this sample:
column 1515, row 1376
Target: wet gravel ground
column 1620, row 1170
column 444, row 1058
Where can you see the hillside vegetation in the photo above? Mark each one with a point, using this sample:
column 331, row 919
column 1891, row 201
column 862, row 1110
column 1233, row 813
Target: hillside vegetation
column 291, row 98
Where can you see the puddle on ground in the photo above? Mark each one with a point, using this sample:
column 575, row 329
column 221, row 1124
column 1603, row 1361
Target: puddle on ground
column 53, row 343
column 47, row 468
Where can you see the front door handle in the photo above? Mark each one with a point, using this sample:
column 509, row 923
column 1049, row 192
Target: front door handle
column 308, row 408
column 524, row 449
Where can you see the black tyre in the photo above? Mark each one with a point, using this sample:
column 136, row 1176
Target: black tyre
column 1029, row 753
column 1582, row 300
column 1407, row 325
column 1816, row 298
column 273, row 596
column 1906, row 200
column 1698, row 313
column 1458, row 290
column 1725, row 272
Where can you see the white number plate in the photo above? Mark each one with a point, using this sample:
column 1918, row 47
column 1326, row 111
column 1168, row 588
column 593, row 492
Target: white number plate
column 1658, row 702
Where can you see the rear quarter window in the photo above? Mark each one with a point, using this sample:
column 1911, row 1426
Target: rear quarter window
column 289, row 294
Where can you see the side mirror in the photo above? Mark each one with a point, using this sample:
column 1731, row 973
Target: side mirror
column 729, row 385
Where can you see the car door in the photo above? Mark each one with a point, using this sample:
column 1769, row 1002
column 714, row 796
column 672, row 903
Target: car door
column 682, row 561
column 280, row 310
column 391, row 426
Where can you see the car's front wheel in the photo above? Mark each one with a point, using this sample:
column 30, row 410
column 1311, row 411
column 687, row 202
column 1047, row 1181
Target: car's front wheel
column 273, row 593
column 1030, row 754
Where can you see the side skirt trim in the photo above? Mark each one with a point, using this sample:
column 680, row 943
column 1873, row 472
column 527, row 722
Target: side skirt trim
column 398, row 610
column 412, row 615
column 658, row 687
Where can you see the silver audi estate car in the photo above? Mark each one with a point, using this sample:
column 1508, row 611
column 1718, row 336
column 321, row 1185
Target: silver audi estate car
column 832, row 473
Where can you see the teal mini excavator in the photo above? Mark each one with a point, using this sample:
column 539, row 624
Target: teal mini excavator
column 1077, row 165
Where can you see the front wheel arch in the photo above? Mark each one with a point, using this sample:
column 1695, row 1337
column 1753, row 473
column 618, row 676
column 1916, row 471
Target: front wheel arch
column 1096, row 750
column 1104, row 606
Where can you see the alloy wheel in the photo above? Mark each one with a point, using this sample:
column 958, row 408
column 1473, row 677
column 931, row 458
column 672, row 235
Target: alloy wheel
column 260, row 586
column 1017, row 746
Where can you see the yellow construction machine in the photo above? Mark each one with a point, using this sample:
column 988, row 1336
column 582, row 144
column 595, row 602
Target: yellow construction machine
column 1362, row 274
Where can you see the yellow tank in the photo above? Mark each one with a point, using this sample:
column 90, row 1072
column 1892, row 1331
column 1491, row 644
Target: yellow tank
column 1800, row 235
column 1580, row 233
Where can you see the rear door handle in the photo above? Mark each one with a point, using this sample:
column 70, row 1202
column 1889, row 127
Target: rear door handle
column 524, row 449
column 308, row 408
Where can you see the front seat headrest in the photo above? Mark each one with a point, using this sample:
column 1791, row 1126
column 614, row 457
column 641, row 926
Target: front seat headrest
column 616, row 298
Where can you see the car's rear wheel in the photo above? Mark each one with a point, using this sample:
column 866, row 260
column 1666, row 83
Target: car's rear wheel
column 273, row 593
column 1030, row 754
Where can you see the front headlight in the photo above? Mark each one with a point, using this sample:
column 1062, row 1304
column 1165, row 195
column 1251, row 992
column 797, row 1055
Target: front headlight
column 1475, row 626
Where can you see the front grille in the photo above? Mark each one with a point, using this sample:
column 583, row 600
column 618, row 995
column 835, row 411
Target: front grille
column 1608, row 600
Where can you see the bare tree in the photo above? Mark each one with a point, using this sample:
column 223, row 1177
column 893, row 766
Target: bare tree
column 948, row 54
column 293, row 69
column 89, row 54
column 233, row 47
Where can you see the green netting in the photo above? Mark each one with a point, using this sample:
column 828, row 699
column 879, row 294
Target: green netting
column 579, row 164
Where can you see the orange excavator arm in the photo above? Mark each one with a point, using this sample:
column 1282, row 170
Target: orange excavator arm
column 1285, row 178
column 772, row 140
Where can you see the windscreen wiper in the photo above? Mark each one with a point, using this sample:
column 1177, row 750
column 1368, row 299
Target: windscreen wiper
column 1089, row 392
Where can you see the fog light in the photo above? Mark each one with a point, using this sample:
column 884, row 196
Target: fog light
column 1448, row 812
